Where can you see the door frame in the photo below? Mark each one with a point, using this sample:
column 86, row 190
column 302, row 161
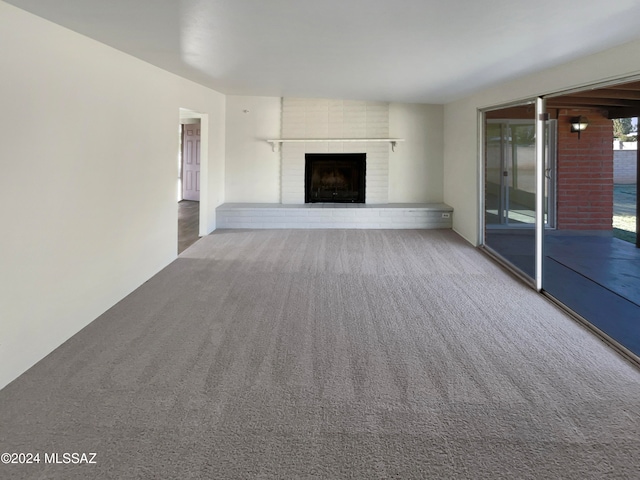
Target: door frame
column 545, row 131
column 204, row 166
column 481, row 118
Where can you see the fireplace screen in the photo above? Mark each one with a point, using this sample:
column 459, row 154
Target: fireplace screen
column 335, row 177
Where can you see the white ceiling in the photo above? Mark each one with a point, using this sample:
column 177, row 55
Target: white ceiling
column 423, row 51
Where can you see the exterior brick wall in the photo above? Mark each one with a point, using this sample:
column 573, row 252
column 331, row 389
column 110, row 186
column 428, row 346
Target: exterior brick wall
column 585, row 172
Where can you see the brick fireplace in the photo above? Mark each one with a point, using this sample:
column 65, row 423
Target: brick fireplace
column 318, row 127
column 304, row 118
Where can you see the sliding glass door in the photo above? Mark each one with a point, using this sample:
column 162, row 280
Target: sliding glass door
column 551, row 189
column 587, row 265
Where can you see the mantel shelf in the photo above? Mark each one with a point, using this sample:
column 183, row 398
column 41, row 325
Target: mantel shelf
column 277, row 142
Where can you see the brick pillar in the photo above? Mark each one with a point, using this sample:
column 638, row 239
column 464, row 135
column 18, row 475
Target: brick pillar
column 585, row 172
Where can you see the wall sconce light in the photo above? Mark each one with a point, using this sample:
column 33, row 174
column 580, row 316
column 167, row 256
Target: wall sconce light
column 578, row 124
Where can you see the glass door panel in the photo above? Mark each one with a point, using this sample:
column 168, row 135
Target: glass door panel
column 494, row 208
column 510, row 188
column 584, row 265
column 521, row 169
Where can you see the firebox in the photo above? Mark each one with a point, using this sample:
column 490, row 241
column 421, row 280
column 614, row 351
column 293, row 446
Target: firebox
column 335, row 177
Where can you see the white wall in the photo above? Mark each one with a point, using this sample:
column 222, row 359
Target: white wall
column 416, row 167
column 252, row 168
column 88, row 148
column 461, row 151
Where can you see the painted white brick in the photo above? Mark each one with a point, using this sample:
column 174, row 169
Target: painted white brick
column 295, row 101
column 293, row 164
column 317, row 115
column 316, row 147
column 316, row 104
column 333, row 216
column 376, row 176
column 378, row 193
column 299, row 212
column 293, row 151
column 377, row 120
column 377, row 167
column 354, row 131
column 292, row 199
column 335, row 132
column 290, row 107
column 292, row 184
column 292, row 179
column 378, row 149
column 317, row 131
column 293, row 161
column 374, row 131
column 345, row 213
column 355, row 147
column 294, row 115
column 334, row 118
column 293, row 188
column 355, row 109
column 376, row 170
column 298, row 131
column 376, row 183
column 376, row 104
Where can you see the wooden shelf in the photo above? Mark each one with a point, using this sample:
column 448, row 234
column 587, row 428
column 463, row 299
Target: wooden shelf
column 277, row 142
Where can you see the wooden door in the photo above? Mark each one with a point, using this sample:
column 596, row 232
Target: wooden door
column 191, row 162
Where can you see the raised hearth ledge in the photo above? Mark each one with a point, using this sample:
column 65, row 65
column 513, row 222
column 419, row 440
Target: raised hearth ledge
column 334, row 215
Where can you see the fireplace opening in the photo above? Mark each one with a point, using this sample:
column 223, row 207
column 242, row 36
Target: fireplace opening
column 335, row 177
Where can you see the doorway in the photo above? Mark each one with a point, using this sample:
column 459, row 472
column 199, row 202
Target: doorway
column 190, row 191
column 190, row 165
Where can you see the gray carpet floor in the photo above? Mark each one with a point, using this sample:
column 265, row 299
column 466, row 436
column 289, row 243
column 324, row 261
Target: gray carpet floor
column 300, row 354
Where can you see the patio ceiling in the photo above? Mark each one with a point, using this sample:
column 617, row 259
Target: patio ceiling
column 619, row 101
